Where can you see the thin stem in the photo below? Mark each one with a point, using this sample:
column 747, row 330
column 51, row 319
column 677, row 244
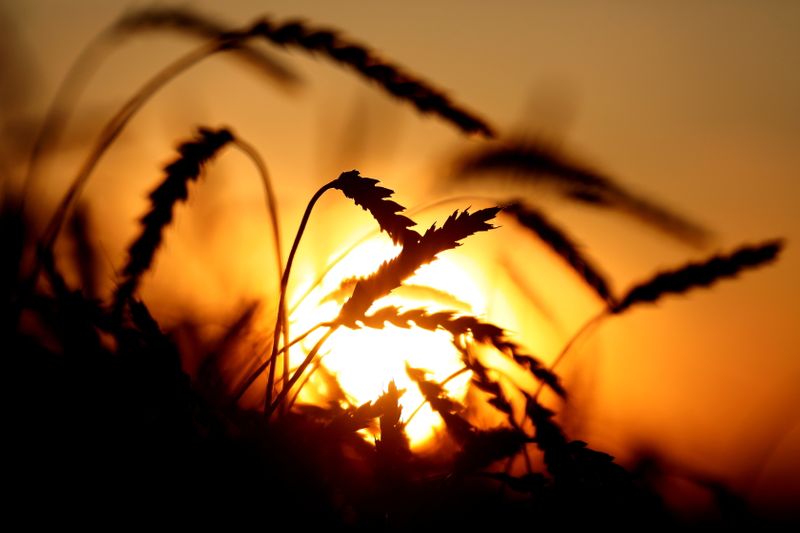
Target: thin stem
column 299, row 372
column 443, row 383
column 571, row 342
column 58, row 112
column 282, row 302
column 307, row 377
column 272, row 208
column 263, row 366
column 115, row 126
column 526, row 455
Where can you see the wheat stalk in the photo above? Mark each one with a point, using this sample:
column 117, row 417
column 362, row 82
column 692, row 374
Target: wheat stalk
column 195, row 24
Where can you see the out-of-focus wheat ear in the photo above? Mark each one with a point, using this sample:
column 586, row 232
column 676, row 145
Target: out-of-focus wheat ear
column 532, row 161
column 194, row 24
column 391, row 274
column 367, row 194
column 536, row 163
column 172, row 189
column 363, row 60
column 482, row 381
column 562, row 245
column 450, row 410
column 545, row 375
column 702, row 274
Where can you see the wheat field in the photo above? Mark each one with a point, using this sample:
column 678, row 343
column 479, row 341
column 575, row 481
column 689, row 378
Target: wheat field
column 598, row 160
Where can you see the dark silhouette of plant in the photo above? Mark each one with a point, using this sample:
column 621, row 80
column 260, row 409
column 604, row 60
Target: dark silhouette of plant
column 104, row 395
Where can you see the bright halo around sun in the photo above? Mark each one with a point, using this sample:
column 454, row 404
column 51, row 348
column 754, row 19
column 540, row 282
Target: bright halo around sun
column 365, row 360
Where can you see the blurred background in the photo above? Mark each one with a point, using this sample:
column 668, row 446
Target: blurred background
column 693, row 104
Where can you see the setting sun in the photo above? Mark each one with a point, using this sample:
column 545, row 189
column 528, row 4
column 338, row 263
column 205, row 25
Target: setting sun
column 365, row 360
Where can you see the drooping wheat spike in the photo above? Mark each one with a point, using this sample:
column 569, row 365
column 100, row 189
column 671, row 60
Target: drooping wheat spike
column 479, row 448
column 486, row 446
column 702, row 274
column 413, row 255
column 173, row 189
column 562, row 245
column 195, row 24
column 359, row 57
column 481, row 380
column 537, row 163
column 367, row 194
column 449, row 409
column 459, row 325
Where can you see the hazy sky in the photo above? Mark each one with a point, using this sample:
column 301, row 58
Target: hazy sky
column 691, row 102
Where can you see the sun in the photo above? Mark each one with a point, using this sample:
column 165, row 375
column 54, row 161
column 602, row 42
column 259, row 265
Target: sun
column 364, row 361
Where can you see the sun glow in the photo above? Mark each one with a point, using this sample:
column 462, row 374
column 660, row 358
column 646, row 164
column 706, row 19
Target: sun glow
column 365, row 360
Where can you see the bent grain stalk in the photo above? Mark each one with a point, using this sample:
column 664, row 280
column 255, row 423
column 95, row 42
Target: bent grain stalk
column 173, row 189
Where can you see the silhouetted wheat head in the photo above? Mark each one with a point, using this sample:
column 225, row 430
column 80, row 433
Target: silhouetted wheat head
column 695, row 275
column 173, row 189
column 368, row 195
column 413, row 255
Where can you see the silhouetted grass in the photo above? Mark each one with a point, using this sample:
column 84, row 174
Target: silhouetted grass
column 103, row 401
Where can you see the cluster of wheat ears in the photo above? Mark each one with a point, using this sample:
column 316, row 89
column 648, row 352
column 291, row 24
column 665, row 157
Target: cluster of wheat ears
column 527, row 424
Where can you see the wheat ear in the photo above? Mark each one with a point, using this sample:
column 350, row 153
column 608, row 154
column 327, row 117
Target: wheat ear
column 413, row 255
column 702, row 274
column 173, row 189
column 563, row 246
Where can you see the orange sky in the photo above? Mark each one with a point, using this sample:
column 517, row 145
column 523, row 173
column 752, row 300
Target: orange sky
column 693, row 103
